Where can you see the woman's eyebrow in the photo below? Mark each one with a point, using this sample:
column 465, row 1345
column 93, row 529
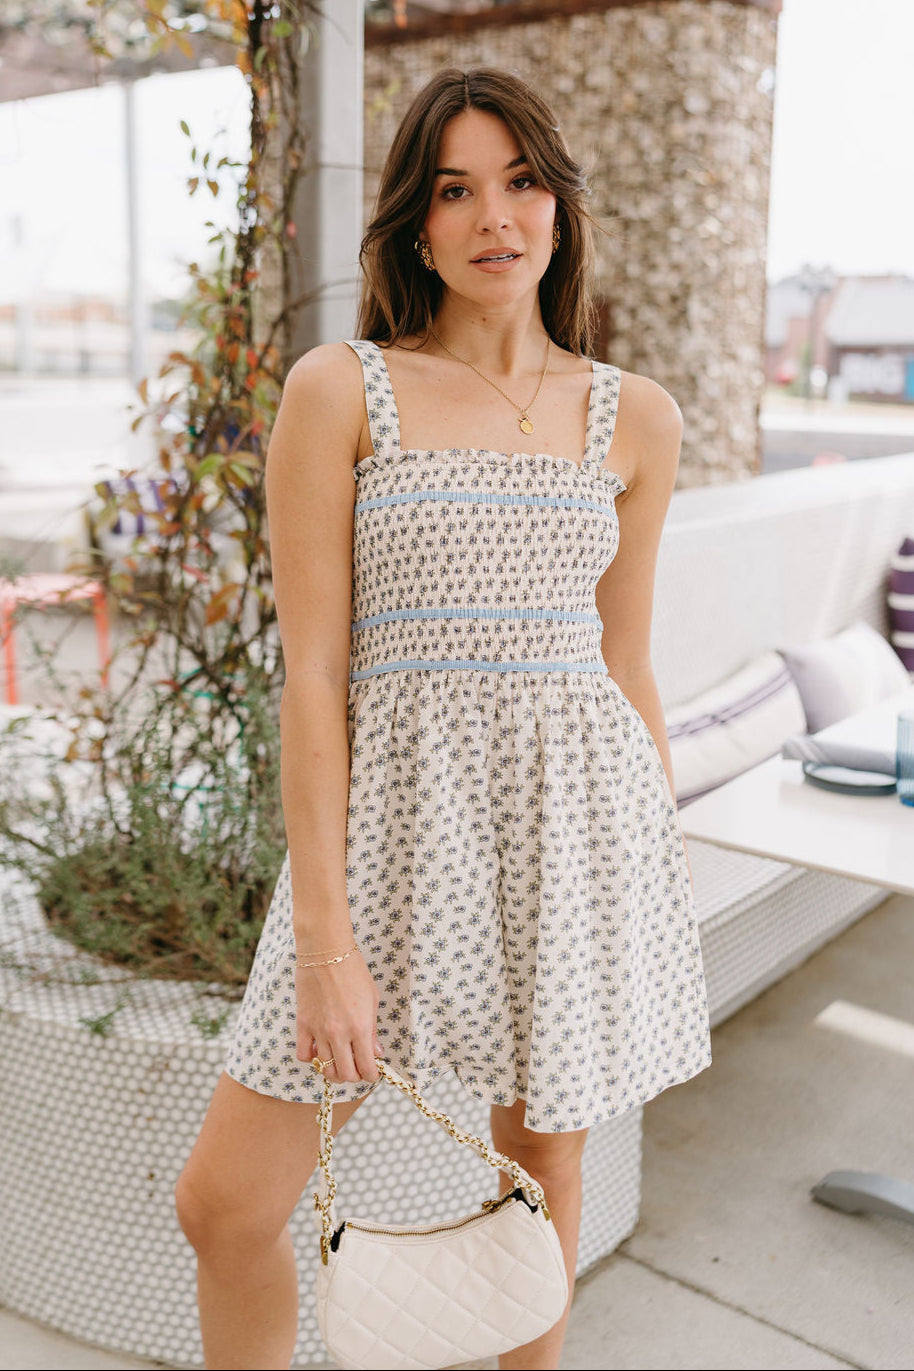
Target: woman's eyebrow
column 456, row 171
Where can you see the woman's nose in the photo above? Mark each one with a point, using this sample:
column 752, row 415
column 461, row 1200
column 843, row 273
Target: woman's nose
column 493, row 212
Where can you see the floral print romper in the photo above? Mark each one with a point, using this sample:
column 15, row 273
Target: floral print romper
column 515, row 870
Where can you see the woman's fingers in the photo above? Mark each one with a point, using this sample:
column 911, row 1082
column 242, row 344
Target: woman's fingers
column 324, row 1054
column 321, row 1058
column 364, row 1060
column 346, row 1062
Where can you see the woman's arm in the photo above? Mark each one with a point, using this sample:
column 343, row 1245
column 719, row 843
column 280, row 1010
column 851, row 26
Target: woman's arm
column 649, row 435
column 310, row 502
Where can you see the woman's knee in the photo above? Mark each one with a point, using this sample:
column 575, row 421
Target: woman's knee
column 214, row 1214
column 192, row 1209
column 550, row 1158
column 247, row 1169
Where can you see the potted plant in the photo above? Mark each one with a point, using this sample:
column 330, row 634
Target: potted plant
column 140, row 824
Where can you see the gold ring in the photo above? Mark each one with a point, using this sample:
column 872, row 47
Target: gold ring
column 322, row 1066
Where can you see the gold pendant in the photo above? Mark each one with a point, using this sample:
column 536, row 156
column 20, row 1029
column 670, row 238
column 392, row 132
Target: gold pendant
column 526, row 425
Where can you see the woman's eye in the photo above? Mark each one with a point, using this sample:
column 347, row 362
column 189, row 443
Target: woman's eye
column 523, row 182
column 453, row 192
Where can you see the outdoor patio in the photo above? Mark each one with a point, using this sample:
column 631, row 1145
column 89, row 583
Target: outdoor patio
column 732, row 1265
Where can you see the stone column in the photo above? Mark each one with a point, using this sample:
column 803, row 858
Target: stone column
column 670, row 104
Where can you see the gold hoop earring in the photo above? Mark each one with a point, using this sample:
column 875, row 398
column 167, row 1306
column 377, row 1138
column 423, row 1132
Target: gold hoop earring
column 425, row 254
column 556, row 238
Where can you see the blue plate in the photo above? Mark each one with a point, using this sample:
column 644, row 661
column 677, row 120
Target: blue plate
column 848, row 782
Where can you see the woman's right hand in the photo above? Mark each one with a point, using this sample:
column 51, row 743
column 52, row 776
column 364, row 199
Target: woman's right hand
column 337, row 1016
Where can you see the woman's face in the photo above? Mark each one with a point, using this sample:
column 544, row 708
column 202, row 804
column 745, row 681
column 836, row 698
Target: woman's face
column 489, row 224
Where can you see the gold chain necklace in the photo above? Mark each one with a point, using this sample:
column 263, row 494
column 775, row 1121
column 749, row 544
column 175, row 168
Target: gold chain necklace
column 524, row 420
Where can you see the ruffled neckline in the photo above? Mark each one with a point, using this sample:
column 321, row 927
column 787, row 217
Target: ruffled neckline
column 376, row 460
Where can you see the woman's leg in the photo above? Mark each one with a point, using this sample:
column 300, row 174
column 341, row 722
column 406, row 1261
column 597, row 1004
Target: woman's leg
column 553, row 1159
column 241, row 1183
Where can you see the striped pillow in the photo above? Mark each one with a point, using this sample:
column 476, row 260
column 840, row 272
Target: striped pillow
column 901, row 602
column 733, row 726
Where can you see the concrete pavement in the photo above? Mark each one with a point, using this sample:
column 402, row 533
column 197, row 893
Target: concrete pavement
column 732, row 1264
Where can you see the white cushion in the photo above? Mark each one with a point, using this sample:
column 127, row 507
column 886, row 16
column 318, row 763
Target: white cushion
column 839, row 675
column 738, row 723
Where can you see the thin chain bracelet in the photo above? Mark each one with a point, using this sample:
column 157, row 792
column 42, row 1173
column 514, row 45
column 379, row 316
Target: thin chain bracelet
column 331, row 961
column 309, row 955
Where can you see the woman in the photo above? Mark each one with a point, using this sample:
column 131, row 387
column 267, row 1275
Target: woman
column 485, row 871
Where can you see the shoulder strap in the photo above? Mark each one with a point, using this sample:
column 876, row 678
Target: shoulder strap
column 601, row 413
column 325, row 1195
column 383, row 419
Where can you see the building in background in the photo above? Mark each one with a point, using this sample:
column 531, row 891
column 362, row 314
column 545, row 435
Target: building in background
column 856, row 333
column 870, row 336
column 61, row 334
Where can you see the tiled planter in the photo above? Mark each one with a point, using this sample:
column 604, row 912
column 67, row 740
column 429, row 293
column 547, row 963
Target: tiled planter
column 96, row 1128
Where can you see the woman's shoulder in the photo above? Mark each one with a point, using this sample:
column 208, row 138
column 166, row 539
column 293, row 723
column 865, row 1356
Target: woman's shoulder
column 648, row 405
column 648, row 429
column 329, row 374
column 326, row 364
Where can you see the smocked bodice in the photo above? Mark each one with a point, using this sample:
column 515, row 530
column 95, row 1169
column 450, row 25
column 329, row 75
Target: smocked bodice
column 475, row 558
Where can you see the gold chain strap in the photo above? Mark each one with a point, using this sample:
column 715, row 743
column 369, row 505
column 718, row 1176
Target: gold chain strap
column 323, row 1198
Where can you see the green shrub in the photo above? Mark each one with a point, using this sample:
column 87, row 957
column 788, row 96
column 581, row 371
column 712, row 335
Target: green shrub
column 152, row 846
column 145, row 808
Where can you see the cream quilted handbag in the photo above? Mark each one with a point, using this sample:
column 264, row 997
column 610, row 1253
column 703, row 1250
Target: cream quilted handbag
column 442, row 1293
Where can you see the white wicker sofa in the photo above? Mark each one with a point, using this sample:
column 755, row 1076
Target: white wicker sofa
column 89, row 1242
column 771, row 564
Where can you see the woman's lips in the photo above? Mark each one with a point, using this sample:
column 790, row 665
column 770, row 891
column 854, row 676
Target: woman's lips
column 497, row 262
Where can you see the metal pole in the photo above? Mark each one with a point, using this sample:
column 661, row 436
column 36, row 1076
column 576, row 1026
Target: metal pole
column 811, row 341
column 328, row 207
column 24, row 358
column 135, row 297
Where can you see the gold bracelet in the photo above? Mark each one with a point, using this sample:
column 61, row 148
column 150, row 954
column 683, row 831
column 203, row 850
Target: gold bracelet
column 317, row 954
column 331, row 961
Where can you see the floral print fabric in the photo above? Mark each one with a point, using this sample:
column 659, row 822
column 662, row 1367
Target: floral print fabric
column 515, row 870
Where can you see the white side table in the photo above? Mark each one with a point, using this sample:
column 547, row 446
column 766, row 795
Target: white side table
column 773, row 812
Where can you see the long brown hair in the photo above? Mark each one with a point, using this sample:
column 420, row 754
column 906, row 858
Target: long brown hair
column 399, row 296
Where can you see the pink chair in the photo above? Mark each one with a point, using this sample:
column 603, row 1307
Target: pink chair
column 47, row 588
